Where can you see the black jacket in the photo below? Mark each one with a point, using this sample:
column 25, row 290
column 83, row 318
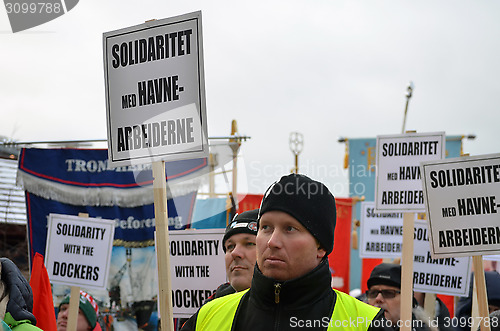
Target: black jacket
column 20, row 304
column 272, row 305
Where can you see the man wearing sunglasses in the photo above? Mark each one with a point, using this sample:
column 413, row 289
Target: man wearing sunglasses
column 384, row 290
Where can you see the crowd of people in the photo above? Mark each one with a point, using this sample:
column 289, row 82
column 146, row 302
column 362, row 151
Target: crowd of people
column 276, row 260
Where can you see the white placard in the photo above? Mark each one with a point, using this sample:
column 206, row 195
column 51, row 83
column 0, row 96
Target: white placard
column 450, row 276
column 198, row 268
column 78, row 251
column 462, row 197
column 155, row 91
column 398, row 185
column 381, row 234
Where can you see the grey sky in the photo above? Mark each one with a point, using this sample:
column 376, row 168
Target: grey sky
column 323, row 68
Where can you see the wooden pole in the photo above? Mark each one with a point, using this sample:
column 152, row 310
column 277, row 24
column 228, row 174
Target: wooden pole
column 74, row 306
column 407, row 271
column 480, row 292
column 74, row 300
column 162, row 246
column 235, row 177
column 235, row 146
column 474, row 311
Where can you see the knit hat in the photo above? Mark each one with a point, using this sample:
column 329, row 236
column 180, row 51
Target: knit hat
column 88, row 306
column 308, row 201
column 385, row 274
column 245, row 222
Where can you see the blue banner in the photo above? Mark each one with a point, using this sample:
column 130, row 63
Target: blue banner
column 73, row 181
column 134, row 227
column 90, row 168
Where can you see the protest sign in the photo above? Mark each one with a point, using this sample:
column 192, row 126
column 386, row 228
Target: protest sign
column 78, row 251
column 449, row 276
column 398, row 188
column 155, row 91
column 462, row 196
column 398, row 185
column 198, row 268
column 381, row 234
column 382, row 237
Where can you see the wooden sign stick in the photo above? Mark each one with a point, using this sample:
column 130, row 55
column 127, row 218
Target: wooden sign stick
column 74, row 306
column 162, row 246
column 407, row 271
column 482, row 296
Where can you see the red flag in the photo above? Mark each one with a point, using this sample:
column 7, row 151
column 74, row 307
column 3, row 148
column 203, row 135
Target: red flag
column 249, row 202
column 339, row 259
column 366, row 270
column 43, row 306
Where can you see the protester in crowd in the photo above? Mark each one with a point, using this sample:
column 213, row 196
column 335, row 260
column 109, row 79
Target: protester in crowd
column 291, row 288
column 464, row 305
column 238, row 244
column 16, row 298
column 384, row 291
column 87, row 314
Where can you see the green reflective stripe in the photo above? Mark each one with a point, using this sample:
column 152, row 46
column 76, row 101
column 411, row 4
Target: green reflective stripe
column 218, row 314
column 348, row 314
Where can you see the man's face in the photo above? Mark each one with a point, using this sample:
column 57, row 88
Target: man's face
column 240, row 260
column 391, row 305
column 285, row 248
column 62, row 319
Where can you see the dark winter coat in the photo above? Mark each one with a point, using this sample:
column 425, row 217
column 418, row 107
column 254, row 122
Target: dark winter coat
column 309, row 297
column 20, row 306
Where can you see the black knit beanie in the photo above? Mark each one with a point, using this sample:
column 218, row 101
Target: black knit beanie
column 246, row 222
column 385, row 274
column 308, row 201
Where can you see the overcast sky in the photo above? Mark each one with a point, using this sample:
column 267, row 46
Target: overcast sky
column 327, row 69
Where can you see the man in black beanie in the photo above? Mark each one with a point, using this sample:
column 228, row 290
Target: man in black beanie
column 238, row 244
column 384, row 290
column 291, row 285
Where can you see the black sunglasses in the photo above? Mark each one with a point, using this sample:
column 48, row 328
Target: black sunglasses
column 387, row 294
